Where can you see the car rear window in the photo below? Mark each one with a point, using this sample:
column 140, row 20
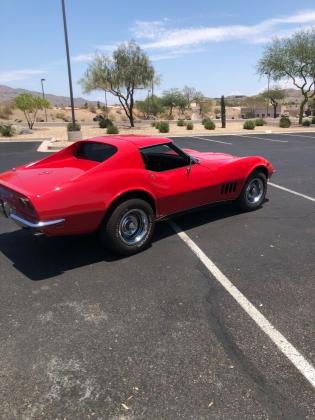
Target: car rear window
column 98, row 152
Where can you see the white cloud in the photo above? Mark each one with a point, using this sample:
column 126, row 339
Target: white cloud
column 12, row 75
column 175, row 42
column 163, row 37
column 83, row 57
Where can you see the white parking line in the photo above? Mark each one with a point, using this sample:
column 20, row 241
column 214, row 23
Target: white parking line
column 291, row 191
column 305, row 368
column 298, row 135
column 260, row 138
column 214, row 141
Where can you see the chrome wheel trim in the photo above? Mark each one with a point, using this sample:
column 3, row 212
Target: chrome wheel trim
column 254, row 191
column 133, row 226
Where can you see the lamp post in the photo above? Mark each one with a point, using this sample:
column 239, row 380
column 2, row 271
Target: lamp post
column 68, row 59
column 268, row 89
column 43, row 93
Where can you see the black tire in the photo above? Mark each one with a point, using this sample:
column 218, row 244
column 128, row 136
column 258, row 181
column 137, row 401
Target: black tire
column 116, row 230
column 257, row 182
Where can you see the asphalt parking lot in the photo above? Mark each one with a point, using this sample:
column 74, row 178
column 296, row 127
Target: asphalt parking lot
column 156, row 335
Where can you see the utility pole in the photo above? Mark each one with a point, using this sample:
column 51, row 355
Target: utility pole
column 68, row 58
column 43, row 93
column 268, row 93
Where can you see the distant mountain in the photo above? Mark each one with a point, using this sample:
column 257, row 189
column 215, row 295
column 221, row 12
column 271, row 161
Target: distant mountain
column 7, row 94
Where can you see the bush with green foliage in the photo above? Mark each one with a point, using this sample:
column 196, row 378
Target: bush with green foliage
column 209, row 124
column 249, row 125
column 61, row 115
column 6, row 130
column 189, row 126
column 260, row 122
column 284, row 122
column 204, row 120
column 181, row 123
column 163, row 126
column 112, row 129
column 105, row 123
column 306, row 123
column 313, row 120
column 73, row 126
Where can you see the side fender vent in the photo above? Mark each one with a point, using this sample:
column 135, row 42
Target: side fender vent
column 228, row 188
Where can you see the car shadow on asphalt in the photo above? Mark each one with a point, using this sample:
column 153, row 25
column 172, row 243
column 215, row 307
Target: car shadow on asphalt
column 41, row 257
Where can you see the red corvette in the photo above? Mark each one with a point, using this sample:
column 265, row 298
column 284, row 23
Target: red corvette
column 120, row 185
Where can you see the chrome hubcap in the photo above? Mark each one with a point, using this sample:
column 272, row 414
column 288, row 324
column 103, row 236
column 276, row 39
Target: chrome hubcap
column 133, row 226
column 254, row 191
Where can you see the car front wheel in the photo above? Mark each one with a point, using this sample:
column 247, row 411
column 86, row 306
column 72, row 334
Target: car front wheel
column 129, row 228
column 254, row 192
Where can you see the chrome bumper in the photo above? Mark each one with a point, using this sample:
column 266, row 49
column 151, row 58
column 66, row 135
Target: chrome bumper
column 24, row 223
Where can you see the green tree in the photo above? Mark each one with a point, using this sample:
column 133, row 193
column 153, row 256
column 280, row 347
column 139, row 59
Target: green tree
column 205, row 107
column 191, row 94
column 252, row 102
column 292, row 59
column 30, row 105
column 172, row 99
column 150, row 106
column 122, row 74
column 275, row 96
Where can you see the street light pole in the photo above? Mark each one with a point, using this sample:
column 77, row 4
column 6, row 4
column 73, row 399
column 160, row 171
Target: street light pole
column 68, row 58
column 43, row 93
column 268, row 93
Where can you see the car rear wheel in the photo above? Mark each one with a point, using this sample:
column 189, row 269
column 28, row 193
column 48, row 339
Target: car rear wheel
column 129, row 228
column 254, row 192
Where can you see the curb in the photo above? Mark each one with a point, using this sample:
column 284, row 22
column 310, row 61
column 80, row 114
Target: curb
column 47, row 146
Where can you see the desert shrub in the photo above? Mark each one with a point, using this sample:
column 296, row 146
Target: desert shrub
column 313, row 120
column 153, row 124
column 105, row 123
column 163, row 127
column 209, row 124
column 6, row 130
column 204, row 120
column 112, row 129
column 249, row 125
column 181, row 123
column 61, row 115
column 284, row 122
column 260, row 122
column 92, row 109
column 5, row 111
column 73, row 127
column 189, row 126
column 306, row 123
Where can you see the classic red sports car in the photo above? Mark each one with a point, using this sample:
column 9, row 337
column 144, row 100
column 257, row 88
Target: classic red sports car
column 121, row 185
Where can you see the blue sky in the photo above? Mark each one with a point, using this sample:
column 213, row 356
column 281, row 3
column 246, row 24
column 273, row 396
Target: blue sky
column 211, row 45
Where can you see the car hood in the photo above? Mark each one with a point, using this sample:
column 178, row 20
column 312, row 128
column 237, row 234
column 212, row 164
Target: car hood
column 212, row 160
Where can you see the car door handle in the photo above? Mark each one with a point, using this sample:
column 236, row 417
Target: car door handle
column 152, row 176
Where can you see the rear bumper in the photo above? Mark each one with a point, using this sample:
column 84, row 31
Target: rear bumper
column 24, row 223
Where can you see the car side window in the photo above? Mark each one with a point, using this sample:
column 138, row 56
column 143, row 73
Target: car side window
column 163, row 157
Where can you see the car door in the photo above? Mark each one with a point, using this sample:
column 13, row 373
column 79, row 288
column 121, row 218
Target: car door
column 179, row 188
